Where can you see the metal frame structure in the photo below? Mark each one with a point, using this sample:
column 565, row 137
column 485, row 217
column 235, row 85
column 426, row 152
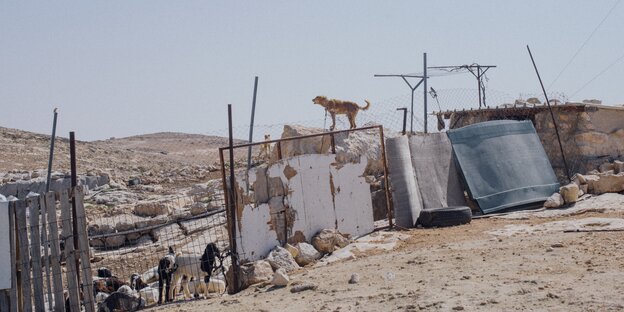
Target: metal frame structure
column 479, row 74
column 423, row 79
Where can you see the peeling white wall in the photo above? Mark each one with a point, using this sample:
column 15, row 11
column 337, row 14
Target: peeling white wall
column 349, row 209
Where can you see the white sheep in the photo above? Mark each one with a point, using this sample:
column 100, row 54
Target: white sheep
column 150, row 275
column 100, row 297
column 199, row 287
column 149, row 294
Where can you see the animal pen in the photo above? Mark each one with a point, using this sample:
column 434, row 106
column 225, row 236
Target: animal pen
column 328, row 180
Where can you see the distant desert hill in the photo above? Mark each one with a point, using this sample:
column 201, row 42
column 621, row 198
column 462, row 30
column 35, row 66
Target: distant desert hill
column 158, row 155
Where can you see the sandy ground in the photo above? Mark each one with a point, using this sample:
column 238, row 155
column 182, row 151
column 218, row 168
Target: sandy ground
column 524, row 261
column 484, row 266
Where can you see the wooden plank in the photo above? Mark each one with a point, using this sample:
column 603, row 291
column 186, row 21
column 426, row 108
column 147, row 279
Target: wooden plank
column 4, row 300
column 55, row 252
column 35, row 252
column 83, row 247
column 24, row 256
column 12, row 235
column 45, row 243
column 70, row 264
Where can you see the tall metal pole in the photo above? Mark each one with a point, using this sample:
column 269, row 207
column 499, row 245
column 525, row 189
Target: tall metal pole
column 232, row 202
column 74, row 182
column 425, row 89
column 479, row 84
column 552, row 115
column 51, row 158
column 253, row 113
column 412, row 114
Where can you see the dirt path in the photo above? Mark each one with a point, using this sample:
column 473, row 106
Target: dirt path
column 459, row 268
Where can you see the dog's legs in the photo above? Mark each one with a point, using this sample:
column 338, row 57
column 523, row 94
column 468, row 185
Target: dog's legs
column 206, row 284
column 185, row 284
column 175, row 280
column 333, row 116
column 352, row 121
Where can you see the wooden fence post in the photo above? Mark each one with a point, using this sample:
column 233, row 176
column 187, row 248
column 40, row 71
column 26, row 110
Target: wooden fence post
column 83, row 248
column 70, row 254
column 35, row 252
column 24, row 256
column 45, row 243
column 55, row 260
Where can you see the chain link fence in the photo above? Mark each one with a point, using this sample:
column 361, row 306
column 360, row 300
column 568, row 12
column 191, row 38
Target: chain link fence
column 453, row 108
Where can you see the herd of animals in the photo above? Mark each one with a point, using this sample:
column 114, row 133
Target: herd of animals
column 192, row 273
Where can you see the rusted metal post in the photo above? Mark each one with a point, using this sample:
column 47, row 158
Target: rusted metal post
column 253, row 114
column 404, row 109
column 279, row 150
column 333, row 143
column 232, row 203
column 74, row 182
column 552, row 115
column 51, row 158
column 386, row 184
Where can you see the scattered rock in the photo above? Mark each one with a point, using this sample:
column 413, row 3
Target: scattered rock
column 151, row 209
column 570, row 193
column 115, row 241
column 355, row 278
column 115, row 197
column 327, row 240
column 257, row 272
column 293, row 251
column 557, row 245
column 307, row 254
column 168, row 232
column 281, row 258
column 280, row 278
column 303, row 287
column 606, row 167
column 606, row 183
column 198, row 190
column 554, row 201
column 198, row 208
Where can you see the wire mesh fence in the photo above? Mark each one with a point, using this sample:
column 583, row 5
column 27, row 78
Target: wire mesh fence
column 130, row 240
column 453, row 108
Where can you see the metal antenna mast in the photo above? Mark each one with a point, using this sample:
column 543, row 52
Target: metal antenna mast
column 423, row 78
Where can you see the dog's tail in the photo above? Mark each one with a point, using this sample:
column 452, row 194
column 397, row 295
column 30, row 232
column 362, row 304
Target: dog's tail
column 367, row 105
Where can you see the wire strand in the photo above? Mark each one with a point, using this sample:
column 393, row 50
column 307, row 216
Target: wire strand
column 583, row 45
column 598, row 75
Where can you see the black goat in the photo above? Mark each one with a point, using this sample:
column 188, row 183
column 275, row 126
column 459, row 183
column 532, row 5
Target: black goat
column 166, row 267
column 119, row 301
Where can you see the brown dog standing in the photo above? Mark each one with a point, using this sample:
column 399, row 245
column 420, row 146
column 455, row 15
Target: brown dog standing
column 335, row 107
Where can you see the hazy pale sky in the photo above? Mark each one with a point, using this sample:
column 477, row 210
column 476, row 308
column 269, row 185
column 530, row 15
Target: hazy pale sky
column 121, row 68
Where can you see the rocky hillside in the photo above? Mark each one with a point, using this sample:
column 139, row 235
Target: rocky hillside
column 163, row 158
